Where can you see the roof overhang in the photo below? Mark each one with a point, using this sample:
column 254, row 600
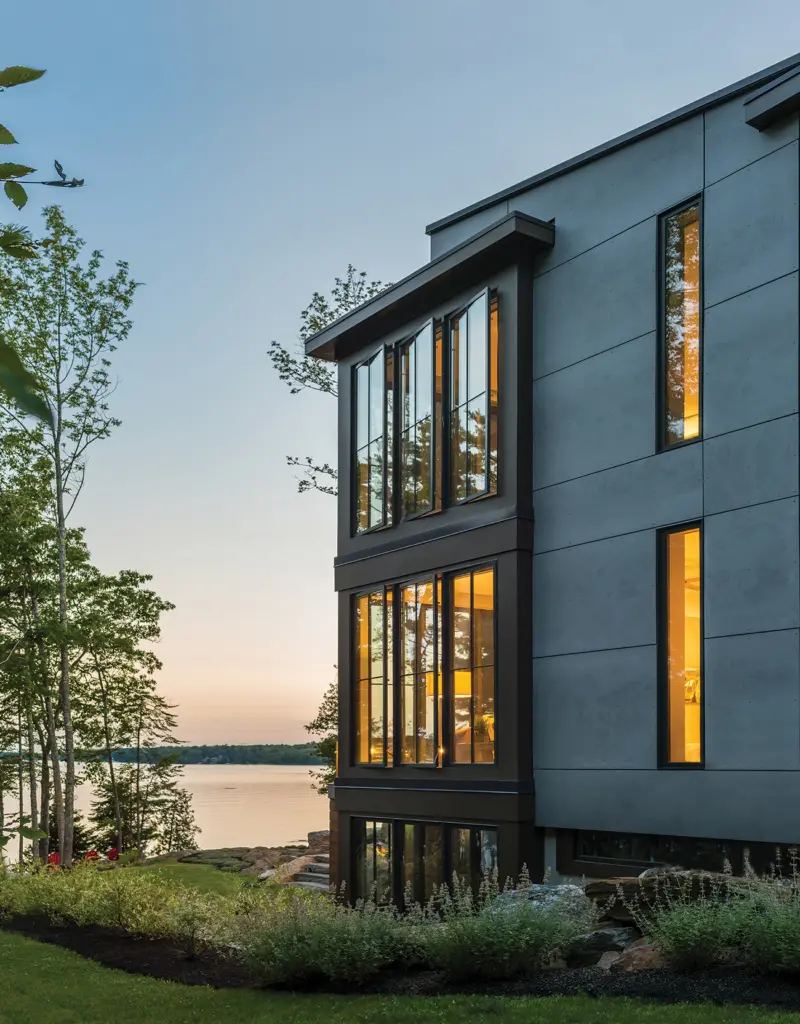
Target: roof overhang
column 773, row 103
column 504, row 242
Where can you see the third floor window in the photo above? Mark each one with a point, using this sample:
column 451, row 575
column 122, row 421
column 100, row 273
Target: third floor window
column 426, row 418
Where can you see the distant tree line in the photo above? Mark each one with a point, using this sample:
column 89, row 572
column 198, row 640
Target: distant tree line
column 220, row 753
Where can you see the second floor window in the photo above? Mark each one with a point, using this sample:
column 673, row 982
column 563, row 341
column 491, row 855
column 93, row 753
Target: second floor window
column 444, row 663
column 680, row 326
column 401, row 426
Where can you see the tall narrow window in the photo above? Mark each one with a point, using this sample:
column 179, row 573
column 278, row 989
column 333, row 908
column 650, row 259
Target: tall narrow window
column 417, row 376
column 681, row 326
column 374, row 685
column 420, row 671
column 373, row 845
column 472, row 663
column 473, row 394
column 683, row 646
column 371, row 447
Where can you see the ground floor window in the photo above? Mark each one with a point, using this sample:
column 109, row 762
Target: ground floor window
column 405, row 859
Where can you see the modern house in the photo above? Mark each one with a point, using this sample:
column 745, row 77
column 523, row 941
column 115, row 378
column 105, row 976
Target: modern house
column 569, row 532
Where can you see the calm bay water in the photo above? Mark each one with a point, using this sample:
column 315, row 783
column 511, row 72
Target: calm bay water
column 243, row 804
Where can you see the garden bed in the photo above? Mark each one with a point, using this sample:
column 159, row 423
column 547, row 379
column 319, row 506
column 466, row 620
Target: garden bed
column 161, row 959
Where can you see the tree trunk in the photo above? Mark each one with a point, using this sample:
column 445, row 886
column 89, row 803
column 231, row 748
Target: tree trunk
column 44, row 803
column 109, row 755
column 20, row 781
column 50, row 718
column 66, row 704
column 137, row 800
column 32, row 782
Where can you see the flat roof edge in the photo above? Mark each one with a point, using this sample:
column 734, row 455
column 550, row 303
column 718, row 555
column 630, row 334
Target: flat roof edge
column 674, row 117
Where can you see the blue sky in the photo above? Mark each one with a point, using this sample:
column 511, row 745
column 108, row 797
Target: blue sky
column 239, row 154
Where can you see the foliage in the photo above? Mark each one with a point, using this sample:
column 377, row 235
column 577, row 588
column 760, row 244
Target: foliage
column 303, row 373
column 325, row 726
column 221, row 753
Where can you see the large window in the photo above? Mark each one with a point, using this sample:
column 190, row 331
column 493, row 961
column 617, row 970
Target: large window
column 681, row 584
column 402, row 859
column 374, row 690
column 373, row 443
column 473, row 400
column 681, row 326
column 472, row 666
column 401, row 427
column 444, row 658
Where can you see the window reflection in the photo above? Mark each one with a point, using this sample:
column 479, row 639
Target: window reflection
column 472, row 666
column 416, row 422
column 371, row 398
column 373, row 860
column 420, row 672
column 473, row 415
column 374, row 685
column 684, row 645
column 682, row 325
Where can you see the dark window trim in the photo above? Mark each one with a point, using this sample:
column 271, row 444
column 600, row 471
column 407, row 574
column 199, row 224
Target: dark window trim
column 384, row 524
column 662, row 445
column 442, row 729
column 399, row 515
column 448, row 411
column 662, row 650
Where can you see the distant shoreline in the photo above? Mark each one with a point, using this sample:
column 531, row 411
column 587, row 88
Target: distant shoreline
column 301, row 755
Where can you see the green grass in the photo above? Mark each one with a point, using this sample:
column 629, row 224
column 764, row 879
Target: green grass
column 199, row 876
column 54, row 986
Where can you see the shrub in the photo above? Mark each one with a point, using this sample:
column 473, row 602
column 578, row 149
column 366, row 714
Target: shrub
column 298, row 942
column 701, row 935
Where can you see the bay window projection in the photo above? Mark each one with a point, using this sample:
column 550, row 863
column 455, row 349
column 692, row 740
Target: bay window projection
column 374, row 690
column 681, row 326
column 420, row 670
column 683, row 645
column 371, row 407
column 473, row 392
column 472, row 666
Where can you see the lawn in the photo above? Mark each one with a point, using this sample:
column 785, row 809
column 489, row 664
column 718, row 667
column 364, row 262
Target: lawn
column 54, row 986
column 204, row 877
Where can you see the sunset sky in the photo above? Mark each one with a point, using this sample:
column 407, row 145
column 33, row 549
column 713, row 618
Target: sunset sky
column 239, row 153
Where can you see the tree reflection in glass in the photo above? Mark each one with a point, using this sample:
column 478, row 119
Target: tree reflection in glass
column 682, row 325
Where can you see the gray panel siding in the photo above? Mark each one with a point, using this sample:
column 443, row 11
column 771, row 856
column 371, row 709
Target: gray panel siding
column 665, row 488
column 595, row 597
column 615, row 283
column 595, row 414
column 755, row 806
column 752, row 701
column 732, row 144
column 460, row 232
column 751, row 569
column 595, row 710
column 750, row 357
column 749, row 466
column 751, row 226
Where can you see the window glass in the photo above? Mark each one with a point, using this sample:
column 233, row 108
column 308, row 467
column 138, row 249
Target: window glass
column 370, row 434
column 373, row 860
column 420, row 683
column 417, row 403
column 681, row 233
column 487, row 838
column 684, row 645
column 472, row 638
column 373, row 689
column 473, row 413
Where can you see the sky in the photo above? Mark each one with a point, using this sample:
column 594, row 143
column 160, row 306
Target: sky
column 239, row 154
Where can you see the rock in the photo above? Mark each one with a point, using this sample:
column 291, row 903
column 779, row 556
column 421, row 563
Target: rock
column 585, row 949
column 615, row 897
column 568, row 898
column 319, row 842
column 661, row 869
column 607, row 959
column 642, row 958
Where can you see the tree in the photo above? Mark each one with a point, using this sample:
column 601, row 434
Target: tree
column 64, row 322
column 303, row 373
column 325, row 726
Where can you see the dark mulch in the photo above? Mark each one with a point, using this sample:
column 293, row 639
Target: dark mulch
column 162, row 959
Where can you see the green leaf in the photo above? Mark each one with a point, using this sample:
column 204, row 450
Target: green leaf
column 6, row 138
column 20, row 385
column 31, row 833
column 17, row 242
column 14, row 171
column 18, row 75
column 16, row 193
column 4, row 841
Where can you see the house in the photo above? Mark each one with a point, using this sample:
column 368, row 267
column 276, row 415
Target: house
column 568, row 526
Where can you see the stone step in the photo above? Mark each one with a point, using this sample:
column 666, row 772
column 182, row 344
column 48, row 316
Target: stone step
column 322, row 858
column 312, row 876
column 317, row 869
column 319, row 883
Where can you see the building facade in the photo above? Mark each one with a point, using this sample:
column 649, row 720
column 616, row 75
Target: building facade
column 569, row 533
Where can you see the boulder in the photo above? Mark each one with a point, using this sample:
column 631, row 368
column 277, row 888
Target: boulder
column 319, row 842
column 614, row 897
column 606, row 960
column 585, row 949
column 569, row 898
column 640, row 958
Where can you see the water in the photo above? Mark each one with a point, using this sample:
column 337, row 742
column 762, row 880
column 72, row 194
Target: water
column 243, row 804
